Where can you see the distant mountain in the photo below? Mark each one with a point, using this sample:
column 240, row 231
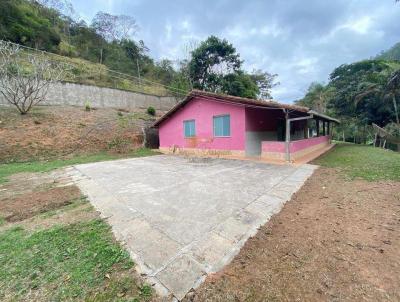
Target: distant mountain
column 391, row 54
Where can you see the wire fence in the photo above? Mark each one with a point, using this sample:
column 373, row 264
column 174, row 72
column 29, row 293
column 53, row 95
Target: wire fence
column 89, row 73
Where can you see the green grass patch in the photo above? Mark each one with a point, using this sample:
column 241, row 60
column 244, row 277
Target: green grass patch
column 366, row 162
column 70, row 262
column 43, row 166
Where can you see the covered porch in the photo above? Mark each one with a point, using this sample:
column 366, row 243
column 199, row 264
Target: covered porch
column 282, row 134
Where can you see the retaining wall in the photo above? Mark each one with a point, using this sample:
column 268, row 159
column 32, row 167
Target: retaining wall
column 77, row 95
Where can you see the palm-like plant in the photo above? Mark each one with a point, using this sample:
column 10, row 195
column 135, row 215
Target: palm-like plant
column 392, row 88
column 383, row 90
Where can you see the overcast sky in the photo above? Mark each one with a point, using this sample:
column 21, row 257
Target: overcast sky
column 300, row 40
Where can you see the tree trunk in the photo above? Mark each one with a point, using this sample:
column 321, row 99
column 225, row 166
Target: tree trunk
column 364, row 136
column 395, row 109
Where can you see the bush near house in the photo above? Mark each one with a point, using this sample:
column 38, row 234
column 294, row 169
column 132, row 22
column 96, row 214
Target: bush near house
column 151, row 111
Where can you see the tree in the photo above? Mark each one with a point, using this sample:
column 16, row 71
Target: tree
column 216, row 66
column 391, row 54
column 211, row 62
column 382, row 90
column 114, row 27
column 265, row 82
column 358, row 91
column 26, row 85
column 391, row 89
column 240, row 84
column 22, row 23
column 63, row 6
column 317, row 97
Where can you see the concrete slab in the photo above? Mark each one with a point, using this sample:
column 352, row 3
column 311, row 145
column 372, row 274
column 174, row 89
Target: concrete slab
column 181, row 218
column 211, row 250
column 181, row 275
column 152, row 246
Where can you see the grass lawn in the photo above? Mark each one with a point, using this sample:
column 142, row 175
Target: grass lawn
column 358, row 161
column 72, row 262
column 44, row 166
column 54, row 256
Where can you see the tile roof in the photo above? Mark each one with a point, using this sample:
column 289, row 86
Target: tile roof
column 233, row 99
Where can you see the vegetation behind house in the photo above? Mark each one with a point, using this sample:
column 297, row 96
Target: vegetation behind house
column 360, row 94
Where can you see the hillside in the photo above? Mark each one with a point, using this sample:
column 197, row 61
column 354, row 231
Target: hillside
column 391, row 54
column 78, row 70
column 89, row 48
column 62, row 131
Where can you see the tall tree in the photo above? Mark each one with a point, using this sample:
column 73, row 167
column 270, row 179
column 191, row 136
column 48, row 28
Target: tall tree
column 216, row 66
column 392, row 89
column 114, row 27
column 317, row 97
column 240, row 84
column 265, row 81
column 211, row 62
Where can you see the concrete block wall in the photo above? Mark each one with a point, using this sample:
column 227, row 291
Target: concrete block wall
column 62, row 93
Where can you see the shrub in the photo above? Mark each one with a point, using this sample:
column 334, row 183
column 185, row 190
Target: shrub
column 151, row 111
column 87, row 106
column 66, row 49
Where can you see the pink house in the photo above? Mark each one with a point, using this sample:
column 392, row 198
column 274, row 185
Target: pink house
column 214, row 124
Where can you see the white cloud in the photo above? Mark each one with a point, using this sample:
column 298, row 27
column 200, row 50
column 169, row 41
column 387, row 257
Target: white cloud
column 360, row 26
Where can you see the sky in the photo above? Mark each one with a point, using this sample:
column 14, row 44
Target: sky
column 300, row 40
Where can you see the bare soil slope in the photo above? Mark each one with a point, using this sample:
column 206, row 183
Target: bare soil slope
column 54, row 131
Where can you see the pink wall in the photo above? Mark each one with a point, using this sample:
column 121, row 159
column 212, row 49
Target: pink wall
column 202, row 111
column 306, row 143
column 295, row 146
column 270, row 146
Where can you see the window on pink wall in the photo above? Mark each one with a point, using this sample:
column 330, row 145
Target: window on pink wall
column 222, row 125
column 189, row 128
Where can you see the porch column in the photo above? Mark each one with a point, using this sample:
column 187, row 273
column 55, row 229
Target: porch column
column 287, row 136
column 323, row 128
column 329, row 128
column 317, row 126
column 306, row 129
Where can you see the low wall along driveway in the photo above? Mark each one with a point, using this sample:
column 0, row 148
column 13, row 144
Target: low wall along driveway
column 77, row 95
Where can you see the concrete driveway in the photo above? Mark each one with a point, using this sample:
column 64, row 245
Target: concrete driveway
column 183, row 218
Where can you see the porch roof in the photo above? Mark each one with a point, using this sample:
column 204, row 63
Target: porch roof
column 323, row 116
column 241, row 101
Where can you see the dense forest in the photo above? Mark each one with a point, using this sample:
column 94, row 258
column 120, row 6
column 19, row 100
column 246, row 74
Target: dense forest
column 360, row 94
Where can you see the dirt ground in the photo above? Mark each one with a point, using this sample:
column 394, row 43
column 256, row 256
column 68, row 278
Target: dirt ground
column 49, row 131
column 26, row 196
column 30, row 204
column 336, row 240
